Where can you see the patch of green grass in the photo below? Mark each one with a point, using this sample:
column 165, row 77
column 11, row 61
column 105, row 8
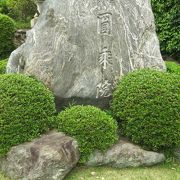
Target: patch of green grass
column 2, row 177
column 162, row 172
column 105, row 173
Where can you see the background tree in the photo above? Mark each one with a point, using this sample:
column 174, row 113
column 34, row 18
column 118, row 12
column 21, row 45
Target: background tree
column 167, row 16
column 21, row 9
column 3, row 7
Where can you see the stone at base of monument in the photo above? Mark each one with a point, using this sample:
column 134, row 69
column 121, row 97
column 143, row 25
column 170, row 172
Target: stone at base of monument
column 82, row 48
column 125, row 154
column 52, row 157
column 102, row 103
column 177, row 154
column 49, row 157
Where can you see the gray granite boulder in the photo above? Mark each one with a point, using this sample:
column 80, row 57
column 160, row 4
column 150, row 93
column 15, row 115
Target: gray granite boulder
column 80, row 48
column 50, row 157
column 125, row 154
column 177, row 154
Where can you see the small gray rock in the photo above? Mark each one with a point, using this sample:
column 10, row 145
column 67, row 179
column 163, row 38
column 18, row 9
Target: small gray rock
column 125, row 154
column 177, row 154
column 50, row 157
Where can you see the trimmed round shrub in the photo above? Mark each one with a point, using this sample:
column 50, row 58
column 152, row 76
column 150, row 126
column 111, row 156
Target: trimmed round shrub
column 146, row 104
column 26, row 107
column 3, row 64
column 91, row 127
column 7, row 29
column 173, row 67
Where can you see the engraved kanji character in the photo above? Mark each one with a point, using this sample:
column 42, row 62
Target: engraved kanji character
column 104, row 89
column 105, row 57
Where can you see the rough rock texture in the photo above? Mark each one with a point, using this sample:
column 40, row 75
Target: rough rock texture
column 20, row 36
column 177, row 154
column 125, row 154
column 50, row 157
column 80, row 48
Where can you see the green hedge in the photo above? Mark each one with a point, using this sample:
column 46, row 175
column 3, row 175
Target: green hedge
column 90, row 126
column 3, row 64
column 147, row 105
column 26, row 107
column 173, row 67
column 7, row 29
column 167, row 18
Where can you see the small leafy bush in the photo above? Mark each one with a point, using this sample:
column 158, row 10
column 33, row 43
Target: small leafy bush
column 3, row 64
column 91, row 127
column 22, row 24
column 147, row 105
column 173, row 67
column 7, row 29
column 25, row 110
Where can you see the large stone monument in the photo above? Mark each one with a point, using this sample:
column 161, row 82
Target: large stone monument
column 80, row 48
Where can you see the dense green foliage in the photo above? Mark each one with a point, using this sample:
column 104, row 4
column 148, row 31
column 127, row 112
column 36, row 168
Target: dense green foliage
column 25, row 108
column 91, row 127
column 173, row 67
column 22, row 24
column 7, row 29
column 3, row 7
column 21, row 9
column 3, row 64
column 147, row 105
column 167, row 16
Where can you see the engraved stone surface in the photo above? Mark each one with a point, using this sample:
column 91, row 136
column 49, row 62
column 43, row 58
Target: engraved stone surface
column 80, row 48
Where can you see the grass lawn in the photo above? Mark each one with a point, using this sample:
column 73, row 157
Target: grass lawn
column 2, row 177
column 163, row 172
column 104, row 173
